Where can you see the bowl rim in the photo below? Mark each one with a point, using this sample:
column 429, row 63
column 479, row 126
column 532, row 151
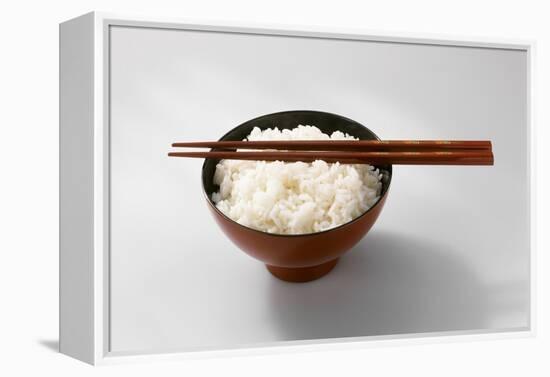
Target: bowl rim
column 213, row 206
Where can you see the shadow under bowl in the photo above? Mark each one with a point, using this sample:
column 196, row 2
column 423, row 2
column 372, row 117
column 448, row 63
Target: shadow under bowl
column 302, row 257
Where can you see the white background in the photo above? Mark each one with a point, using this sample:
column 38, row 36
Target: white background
column 28, row 207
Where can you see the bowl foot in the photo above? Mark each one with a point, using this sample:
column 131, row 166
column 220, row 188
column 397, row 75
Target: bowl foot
column 303, row 274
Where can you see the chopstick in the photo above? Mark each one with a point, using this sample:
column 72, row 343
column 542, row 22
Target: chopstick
column 471, row 157
column 341, row 145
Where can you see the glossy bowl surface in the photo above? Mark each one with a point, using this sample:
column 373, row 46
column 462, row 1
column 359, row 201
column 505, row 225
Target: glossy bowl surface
column 302, row 257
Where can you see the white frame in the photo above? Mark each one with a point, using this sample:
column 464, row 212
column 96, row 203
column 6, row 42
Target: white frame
column 84, row 184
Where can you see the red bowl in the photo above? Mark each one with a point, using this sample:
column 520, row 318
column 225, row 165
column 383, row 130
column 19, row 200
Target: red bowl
column 303, row 257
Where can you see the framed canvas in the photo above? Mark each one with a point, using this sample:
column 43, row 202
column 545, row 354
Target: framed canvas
column 146, row 271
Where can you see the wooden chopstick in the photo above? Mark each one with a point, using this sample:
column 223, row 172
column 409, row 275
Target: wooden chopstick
column 345, row 145
column 472, row 157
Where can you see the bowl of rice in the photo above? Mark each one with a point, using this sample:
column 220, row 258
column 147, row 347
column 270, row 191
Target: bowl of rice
column 298, row 218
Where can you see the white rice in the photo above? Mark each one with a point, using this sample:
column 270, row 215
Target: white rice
column 294, row 197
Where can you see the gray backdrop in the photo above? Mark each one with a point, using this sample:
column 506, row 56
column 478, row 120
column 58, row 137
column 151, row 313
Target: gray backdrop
column 449, row 252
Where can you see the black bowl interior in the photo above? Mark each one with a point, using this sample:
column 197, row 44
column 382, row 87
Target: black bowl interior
column 326, row 122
